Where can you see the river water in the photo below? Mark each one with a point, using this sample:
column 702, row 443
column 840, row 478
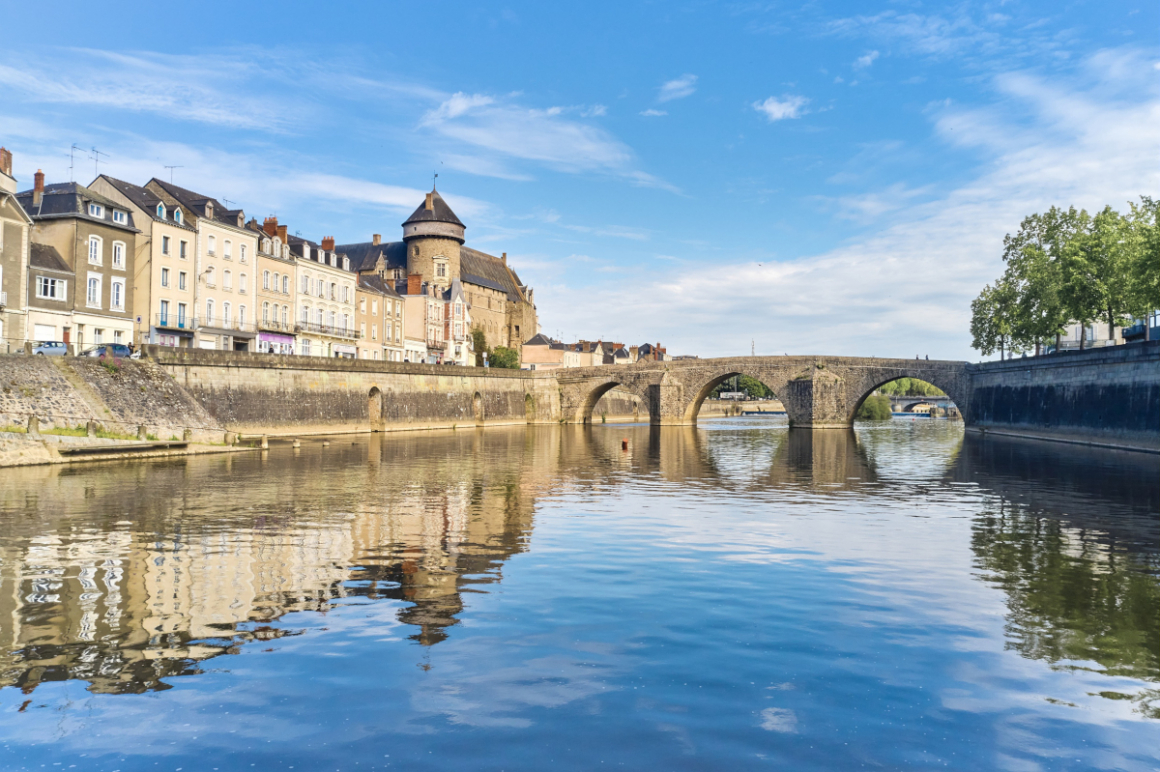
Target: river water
column 735, row 596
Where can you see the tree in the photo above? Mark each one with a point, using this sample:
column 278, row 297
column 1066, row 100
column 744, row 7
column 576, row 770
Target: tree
column 874, row 408
column 993, row 317
column 479, row 340
column 910, row 387
column 1033, row 257
column 1095, row 272
column 504, row 357
column 1143, row 260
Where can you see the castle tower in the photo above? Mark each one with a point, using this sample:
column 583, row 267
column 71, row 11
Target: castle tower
column 433, row 235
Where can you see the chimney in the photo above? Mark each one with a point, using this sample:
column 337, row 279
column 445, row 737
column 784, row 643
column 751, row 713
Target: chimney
column 376, row 240
column 282, row 232
column 37, row 187
column 632, row 352
column 270, row 226
column 504, row 258
column 415, row 284
column 328, row 243
column 5, row 161
column 429, row 205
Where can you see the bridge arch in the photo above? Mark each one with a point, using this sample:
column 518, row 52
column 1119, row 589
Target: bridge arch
column 871, row 382
column 593, row 391
column 773, row 379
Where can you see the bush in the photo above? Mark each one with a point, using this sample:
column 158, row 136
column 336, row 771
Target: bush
column 507, row 358
column 875, row 408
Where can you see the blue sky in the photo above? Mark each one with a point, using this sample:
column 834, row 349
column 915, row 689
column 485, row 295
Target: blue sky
column 831, row 178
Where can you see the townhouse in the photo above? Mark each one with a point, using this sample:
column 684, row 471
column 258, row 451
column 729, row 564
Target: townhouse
column 326, row 300
column 277, row 289
column 224, row 265
column 15, row 229
column 164, row 265
column 80, row 271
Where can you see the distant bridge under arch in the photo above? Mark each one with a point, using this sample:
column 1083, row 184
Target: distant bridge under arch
column 818, row 392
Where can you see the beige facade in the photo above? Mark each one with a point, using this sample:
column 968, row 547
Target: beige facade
column 277, row 289
column 326, row 300
column 15, row 229
column 164, row 272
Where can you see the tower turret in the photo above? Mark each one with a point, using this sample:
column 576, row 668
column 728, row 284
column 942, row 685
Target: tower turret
column 433, row 235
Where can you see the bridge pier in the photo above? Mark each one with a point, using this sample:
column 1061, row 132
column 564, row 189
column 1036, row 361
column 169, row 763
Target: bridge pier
column 816, row 399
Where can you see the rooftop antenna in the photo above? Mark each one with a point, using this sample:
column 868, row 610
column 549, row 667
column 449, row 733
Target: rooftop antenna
column 433, row 180
column 228, row 201
column 71, row 162
column 97, row 161
column 171, row 168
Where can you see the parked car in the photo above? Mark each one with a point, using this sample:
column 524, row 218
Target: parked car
column 52, row 348
column 108, row 349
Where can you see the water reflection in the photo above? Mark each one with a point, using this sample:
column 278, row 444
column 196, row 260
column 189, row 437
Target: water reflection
column 126, row 575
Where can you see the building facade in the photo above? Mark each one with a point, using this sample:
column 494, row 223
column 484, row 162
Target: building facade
column 80, row 276
column 326, row 300
column 15, row 231
column 277, row 289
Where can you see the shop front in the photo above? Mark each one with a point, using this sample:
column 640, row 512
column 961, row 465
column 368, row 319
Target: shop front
column 344, row 351
column 275, row 343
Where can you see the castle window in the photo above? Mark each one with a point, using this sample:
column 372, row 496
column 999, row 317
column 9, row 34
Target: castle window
column 415, row 251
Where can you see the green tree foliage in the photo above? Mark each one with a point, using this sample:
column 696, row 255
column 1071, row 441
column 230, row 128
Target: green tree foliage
column 910, row 387
column 753, row 388
column 479, row 340
column 875, row 408
column 507, row 358
column 1066, row 266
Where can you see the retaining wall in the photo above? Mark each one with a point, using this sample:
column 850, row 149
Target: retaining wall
column 1107, row 396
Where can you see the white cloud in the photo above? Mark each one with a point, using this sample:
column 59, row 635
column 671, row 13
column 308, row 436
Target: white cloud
column 678, row 88
column 651, row 113
column 789, row 106
column 865, row 61
column 779, row 720
column 906, row 288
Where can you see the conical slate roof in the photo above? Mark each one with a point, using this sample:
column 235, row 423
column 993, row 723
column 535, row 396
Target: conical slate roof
column 439, row 212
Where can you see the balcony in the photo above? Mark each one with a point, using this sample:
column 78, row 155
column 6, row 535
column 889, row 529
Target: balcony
column 274, row 325
column 222, row 323
column 174, row 322
column 327, row 329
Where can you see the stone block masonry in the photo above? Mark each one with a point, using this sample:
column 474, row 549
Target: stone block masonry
column 1106, row 396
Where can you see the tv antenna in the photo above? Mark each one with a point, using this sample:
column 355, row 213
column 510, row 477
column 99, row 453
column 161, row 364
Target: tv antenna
column 171, row 168
column 97, row 161
column 71, row 160
column 433, row 179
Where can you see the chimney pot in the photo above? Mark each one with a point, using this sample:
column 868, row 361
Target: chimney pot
column 270, row 226
column 37, row 187
column 282, row 230
column 429, row 205
column 328, row 243
column 376, row 240
column 504, row 258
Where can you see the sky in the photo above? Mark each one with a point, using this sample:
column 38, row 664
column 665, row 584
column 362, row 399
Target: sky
column 722, row 178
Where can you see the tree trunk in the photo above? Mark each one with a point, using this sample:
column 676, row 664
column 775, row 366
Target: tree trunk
column 1111, row 327
column 1057, row 337
column 1082, row 334
column 1037, row 347
column 1002, row 340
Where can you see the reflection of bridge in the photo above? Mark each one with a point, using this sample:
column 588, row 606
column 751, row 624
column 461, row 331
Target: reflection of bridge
column 818, row 392
column 902, row 404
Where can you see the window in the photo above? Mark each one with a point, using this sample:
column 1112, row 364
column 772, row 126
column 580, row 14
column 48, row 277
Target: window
column 161, row 211
column 346, row 294
column 119, row 255
column 242, row 283
column 227, row 250
column 362, row 328
column 165, row 245
column 181, row 314
column 93, row 297
column 96, row 210
column 398, row 308
column 333, row 291
column 346, row 264
column 164, row 312
column 209, row 277
column 265, row 280
column 306, row 316
column 362, row 305
column 226, row 309
column 210, row 244
column 322, row 318
column 178, row 216
column 227, row 280
column 120, row 217
column 374, row 331
column 321, row 288
column 181, row 250
column 265, row 312
column 209, row 311
column 415, row 251
column 286, row 285
column 331, row 319
column 305, row 348
column 285, row 316
column 241, row 317
column 374, row 308
column 98, row 336
column 181, row 280
column 52, row 289
column 346, row 323
column 118, row 336
column 117, row 296
column 242, row 252
column 305, row 284
column 95, row 250
column 164, row 277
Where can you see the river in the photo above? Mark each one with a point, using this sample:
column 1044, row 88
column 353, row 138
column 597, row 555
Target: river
column 732, row 596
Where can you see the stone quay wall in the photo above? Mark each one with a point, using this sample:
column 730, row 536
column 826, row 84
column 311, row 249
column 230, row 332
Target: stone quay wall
column 1106, row 396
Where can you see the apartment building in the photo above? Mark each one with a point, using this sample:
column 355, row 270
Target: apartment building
column 164, row 265
column 225, row 265
column 277, row 289
column 81, row 265
column 15, row 229
column 326, row 300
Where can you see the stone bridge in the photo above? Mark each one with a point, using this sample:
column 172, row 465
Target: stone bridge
column 818, row 392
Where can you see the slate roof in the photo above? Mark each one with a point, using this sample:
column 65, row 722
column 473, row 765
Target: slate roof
column 375, row 283
column 488, row 271
column 67, row 199
column 364, row 256
column 46, row 257
column 195, row 202
column 540, row 339
column 439, row 212
column 146, row 199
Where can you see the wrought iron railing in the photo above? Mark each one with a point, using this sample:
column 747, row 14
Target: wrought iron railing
column 327, row 329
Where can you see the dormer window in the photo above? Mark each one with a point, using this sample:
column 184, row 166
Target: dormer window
column 346, row 264
column 120, row 217
column 209, row 209
column 266, row 246
column 96, row 210
column 161, row 211
column 177, row 216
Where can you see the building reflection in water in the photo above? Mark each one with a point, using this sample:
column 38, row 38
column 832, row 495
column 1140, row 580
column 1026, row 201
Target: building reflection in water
column 126, row 574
